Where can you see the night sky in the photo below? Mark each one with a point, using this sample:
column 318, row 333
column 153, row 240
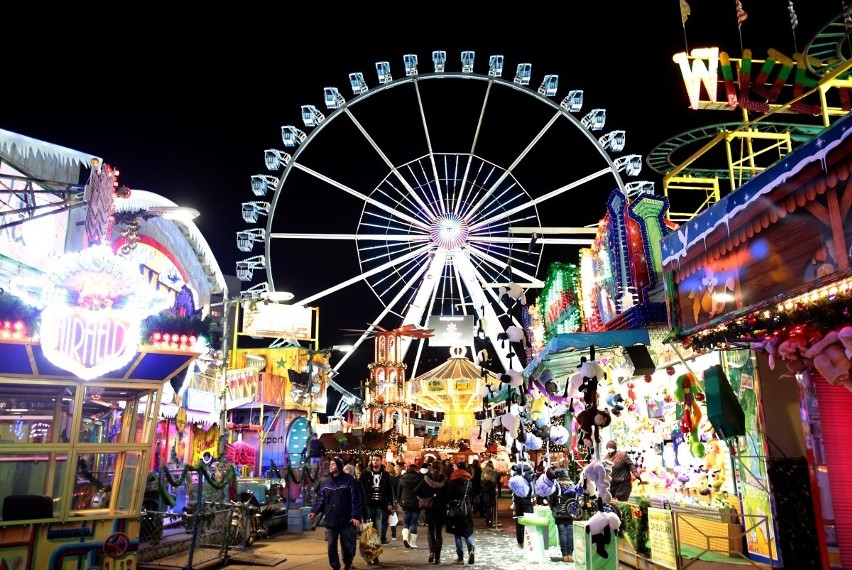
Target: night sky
column 185, row 104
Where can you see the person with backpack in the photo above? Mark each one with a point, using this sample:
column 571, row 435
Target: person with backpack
column 521, row 484
column 563, row 494
column 488, row 493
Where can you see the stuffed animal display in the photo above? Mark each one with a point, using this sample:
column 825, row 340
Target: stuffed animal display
column 601, row 527
column 687, row 388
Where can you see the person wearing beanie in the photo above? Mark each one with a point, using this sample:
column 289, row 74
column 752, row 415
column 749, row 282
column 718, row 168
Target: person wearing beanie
column 339, row 499
column 623, row 471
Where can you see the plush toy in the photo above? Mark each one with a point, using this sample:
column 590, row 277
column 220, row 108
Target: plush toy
column 559, row 435
column 601, row 527
column 685, row 391
column 830, row 359
column 596, row 472
column 540, row 411
column 590, row 422
column 545, row 485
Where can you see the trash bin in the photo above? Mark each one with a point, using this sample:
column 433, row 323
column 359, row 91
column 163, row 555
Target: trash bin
column 307, row 523
column 295, row 520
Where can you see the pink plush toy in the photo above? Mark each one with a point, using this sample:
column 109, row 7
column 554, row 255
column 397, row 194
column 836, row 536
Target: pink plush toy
column 830, row 359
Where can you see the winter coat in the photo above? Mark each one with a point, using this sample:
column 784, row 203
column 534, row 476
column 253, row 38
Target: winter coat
column 460, row 484
column 407, row 483
column 435, row 485
column 383, row 495
column 339, row 497
column 563, row 492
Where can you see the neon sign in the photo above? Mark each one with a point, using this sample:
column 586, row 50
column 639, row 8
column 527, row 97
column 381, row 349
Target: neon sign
column 94, row 303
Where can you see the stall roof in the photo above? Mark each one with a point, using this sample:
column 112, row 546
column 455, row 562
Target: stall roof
column 562, row 354
column 27, row 360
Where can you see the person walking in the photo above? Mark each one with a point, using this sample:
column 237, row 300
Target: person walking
column 377, row 489
column 563, row 493
column 409, row 481
column 339, row 499
column 316, row 450
column 434, row 487
column 476, row 481
column 488, row 497
column 394, row 477
column 623, row 471
column 461, row 525
column 521, row 484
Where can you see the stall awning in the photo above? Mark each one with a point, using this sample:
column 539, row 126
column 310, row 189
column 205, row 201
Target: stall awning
column 169, row 411
column 25, row 359
column 562, row 354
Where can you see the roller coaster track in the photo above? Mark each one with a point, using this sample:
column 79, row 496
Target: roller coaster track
column 662, row 158
column 826, row 50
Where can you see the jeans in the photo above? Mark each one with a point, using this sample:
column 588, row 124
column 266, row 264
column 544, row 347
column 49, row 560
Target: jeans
column 566, row 537
column 460, row 546
column 410, row 519
column 347, row 535
column 379, row 515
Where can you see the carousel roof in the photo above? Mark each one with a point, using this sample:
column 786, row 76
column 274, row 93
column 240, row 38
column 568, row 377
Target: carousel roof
column 452, row 385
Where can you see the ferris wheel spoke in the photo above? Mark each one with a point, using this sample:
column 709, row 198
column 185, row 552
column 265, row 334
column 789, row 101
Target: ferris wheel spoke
column 532, row 281
column 363, row 197
column 352, row 237
column 390, row 165
column 484, row 308
column 509, row 170
column 473, row 144
column 436, row 178
column 362, row 276
column 429, row 282
column 540, row 199
column 384, row 312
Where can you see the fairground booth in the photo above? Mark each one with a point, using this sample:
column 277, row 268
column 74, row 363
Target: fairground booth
column 764, row 277
column 89, row 336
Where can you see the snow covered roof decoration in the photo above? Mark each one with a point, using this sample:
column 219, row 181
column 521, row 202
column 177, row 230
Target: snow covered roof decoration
column 692, row 233
column 30, row 147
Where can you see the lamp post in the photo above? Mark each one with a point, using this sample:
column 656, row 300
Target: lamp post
column 312, row 352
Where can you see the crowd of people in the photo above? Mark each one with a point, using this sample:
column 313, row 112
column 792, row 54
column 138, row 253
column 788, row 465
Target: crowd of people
column 443, row 497
column 353, row 494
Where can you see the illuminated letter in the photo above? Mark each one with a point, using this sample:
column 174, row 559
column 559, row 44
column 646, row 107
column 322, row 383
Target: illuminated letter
column 699, row 73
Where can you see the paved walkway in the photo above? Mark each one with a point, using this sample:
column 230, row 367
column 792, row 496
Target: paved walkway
column 495, row 548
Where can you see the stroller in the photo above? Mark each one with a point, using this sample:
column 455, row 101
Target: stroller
column 488, row 500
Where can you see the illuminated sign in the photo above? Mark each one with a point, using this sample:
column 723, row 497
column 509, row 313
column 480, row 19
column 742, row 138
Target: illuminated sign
column 275, row 320
column 452, row 330
column 93, row 303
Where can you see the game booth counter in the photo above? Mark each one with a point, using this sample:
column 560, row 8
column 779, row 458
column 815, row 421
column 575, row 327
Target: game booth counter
column 85, row 350
column 778, row 248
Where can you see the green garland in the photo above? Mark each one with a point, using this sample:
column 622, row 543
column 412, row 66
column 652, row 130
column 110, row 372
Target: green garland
column 824, row 314
column 291, row 475
column 201, row 469
column 634, row 529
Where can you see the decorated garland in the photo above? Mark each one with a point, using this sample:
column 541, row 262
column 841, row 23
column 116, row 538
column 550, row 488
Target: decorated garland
column 200, row 468
column 634, row 524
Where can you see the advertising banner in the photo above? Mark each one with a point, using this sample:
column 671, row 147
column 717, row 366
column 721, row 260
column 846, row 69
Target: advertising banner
column 278, row 321
column 452, row 330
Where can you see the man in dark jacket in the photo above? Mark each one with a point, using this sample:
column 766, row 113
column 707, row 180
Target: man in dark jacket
column 379, row 494
column 623, row 472
column 340, row 500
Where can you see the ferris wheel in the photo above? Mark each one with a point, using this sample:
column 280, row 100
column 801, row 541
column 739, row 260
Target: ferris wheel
column 437, row 190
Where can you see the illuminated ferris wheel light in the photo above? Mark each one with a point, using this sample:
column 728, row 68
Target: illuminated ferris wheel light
column 449, row 232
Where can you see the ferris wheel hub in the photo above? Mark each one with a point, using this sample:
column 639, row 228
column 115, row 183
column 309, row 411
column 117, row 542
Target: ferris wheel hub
column 449, row 231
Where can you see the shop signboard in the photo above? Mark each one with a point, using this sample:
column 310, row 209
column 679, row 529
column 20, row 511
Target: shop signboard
column 661, row 534
column 276, row 320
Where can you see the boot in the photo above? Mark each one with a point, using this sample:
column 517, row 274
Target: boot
column 459, row 557
column 405, row 536
column 470, row 557
column 431, row 556
column 412, row 539
column 437, row 557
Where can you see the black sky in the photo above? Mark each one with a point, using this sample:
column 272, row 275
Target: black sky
column 184, row 104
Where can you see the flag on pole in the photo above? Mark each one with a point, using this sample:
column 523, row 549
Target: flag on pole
column 741, row 14
column 794, row 20
column 685, row 11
